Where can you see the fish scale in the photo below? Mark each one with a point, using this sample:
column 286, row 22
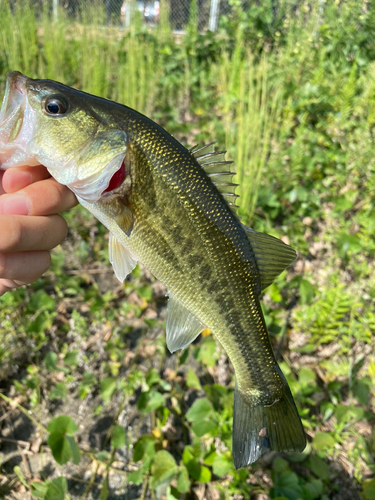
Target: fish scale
column 173, row 210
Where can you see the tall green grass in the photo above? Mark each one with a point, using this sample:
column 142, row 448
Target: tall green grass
column 81, row 53
column 251, row 110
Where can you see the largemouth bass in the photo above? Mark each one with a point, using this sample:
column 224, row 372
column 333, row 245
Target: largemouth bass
column 173, row 210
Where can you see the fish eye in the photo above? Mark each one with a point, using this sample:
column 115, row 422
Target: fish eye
column 55, row 105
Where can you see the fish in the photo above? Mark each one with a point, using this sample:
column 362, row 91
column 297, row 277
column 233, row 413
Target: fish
column 172, row 209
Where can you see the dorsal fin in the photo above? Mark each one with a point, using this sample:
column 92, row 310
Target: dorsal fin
column 218, row 170
column 272, row 255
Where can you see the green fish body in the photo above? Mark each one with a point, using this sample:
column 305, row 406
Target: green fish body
column 172, row 210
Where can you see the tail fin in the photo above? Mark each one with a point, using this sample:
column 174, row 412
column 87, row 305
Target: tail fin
column 258, row 428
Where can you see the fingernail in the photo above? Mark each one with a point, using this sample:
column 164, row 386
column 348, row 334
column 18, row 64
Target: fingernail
column 15, row 204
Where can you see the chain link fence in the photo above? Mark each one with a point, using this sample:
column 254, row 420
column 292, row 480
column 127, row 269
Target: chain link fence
column 176, row 13
column 150, row 12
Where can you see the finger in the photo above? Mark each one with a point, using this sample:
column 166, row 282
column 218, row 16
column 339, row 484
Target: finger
column 45, row 197
column 19, row 177
column 19, row 233
column 6, row 285
column 25, row 267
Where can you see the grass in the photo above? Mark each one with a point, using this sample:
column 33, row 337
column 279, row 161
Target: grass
column 292, row 99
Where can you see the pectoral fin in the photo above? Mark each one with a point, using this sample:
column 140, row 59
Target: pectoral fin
column 182, row 326
column 125, row 220
column 121, row 259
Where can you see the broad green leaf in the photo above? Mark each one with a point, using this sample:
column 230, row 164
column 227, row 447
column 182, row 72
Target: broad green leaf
column 59, row 391
column 149, row 401
column 204, row 475
column 50, row 361
column 279, row 464
column 60, row 447
column 287, row 485
column 348, row 243
column 209, row 459
column 103, row 455
column 196, row 470
column 118, row 437
column 163, row 469
column 313, row 488
column 306, row 376
column 323, row 440
column 62, row 425
column 40, row 301
column 86, row 385
column 202, row 428
column 57, row 489
column 192, row 380
column 274, row 293
column 319, row 467
column 71, row 358
column 207, row 352
column 136, row 476
column 183, row 482
column 76, row 455
column 107, row 388
column 152, row 377
column 221, row 465
column 200, row 410
column 39, row 490
column 172, row 493
column 144, row 447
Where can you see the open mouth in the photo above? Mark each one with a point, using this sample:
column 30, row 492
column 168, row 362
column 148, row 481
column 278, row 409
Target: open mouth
column 117, row 179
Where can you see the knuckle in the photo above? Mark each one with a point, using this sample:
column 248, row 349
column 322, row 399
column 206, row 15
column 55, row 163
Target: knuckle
column 11, row 238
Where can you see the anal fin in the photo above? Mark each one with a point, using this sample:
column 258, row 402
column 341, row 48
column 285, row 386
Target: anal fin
column 121, row 259
column 182, row 326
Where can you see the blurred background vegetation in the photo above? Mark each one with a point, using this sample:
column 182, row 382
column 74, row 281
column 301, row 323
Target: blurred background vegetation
column 92, row 405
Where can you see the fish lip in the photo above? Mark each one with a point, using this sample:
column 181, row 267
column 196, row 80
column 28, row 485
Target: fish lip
column 16, row 80
column 14, row 97
column 19, row 82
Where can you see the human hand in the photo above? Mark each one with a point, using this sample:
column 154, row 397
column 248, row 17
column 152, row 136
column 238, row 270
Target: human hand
column 30, row 201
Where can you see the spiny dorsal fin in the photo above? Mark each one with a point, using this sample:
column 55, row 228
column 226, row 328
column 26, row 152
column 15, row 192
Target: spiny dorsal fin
column 218, row 170
column 272, row 255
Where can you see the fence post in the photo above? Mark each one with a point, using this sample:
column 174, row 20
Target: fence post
column 55, row 7
column 214, row 14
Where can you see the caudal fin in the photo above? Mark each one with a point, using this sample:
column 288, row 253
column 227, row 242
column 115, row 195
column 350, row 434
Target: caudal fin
column 258, row 428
